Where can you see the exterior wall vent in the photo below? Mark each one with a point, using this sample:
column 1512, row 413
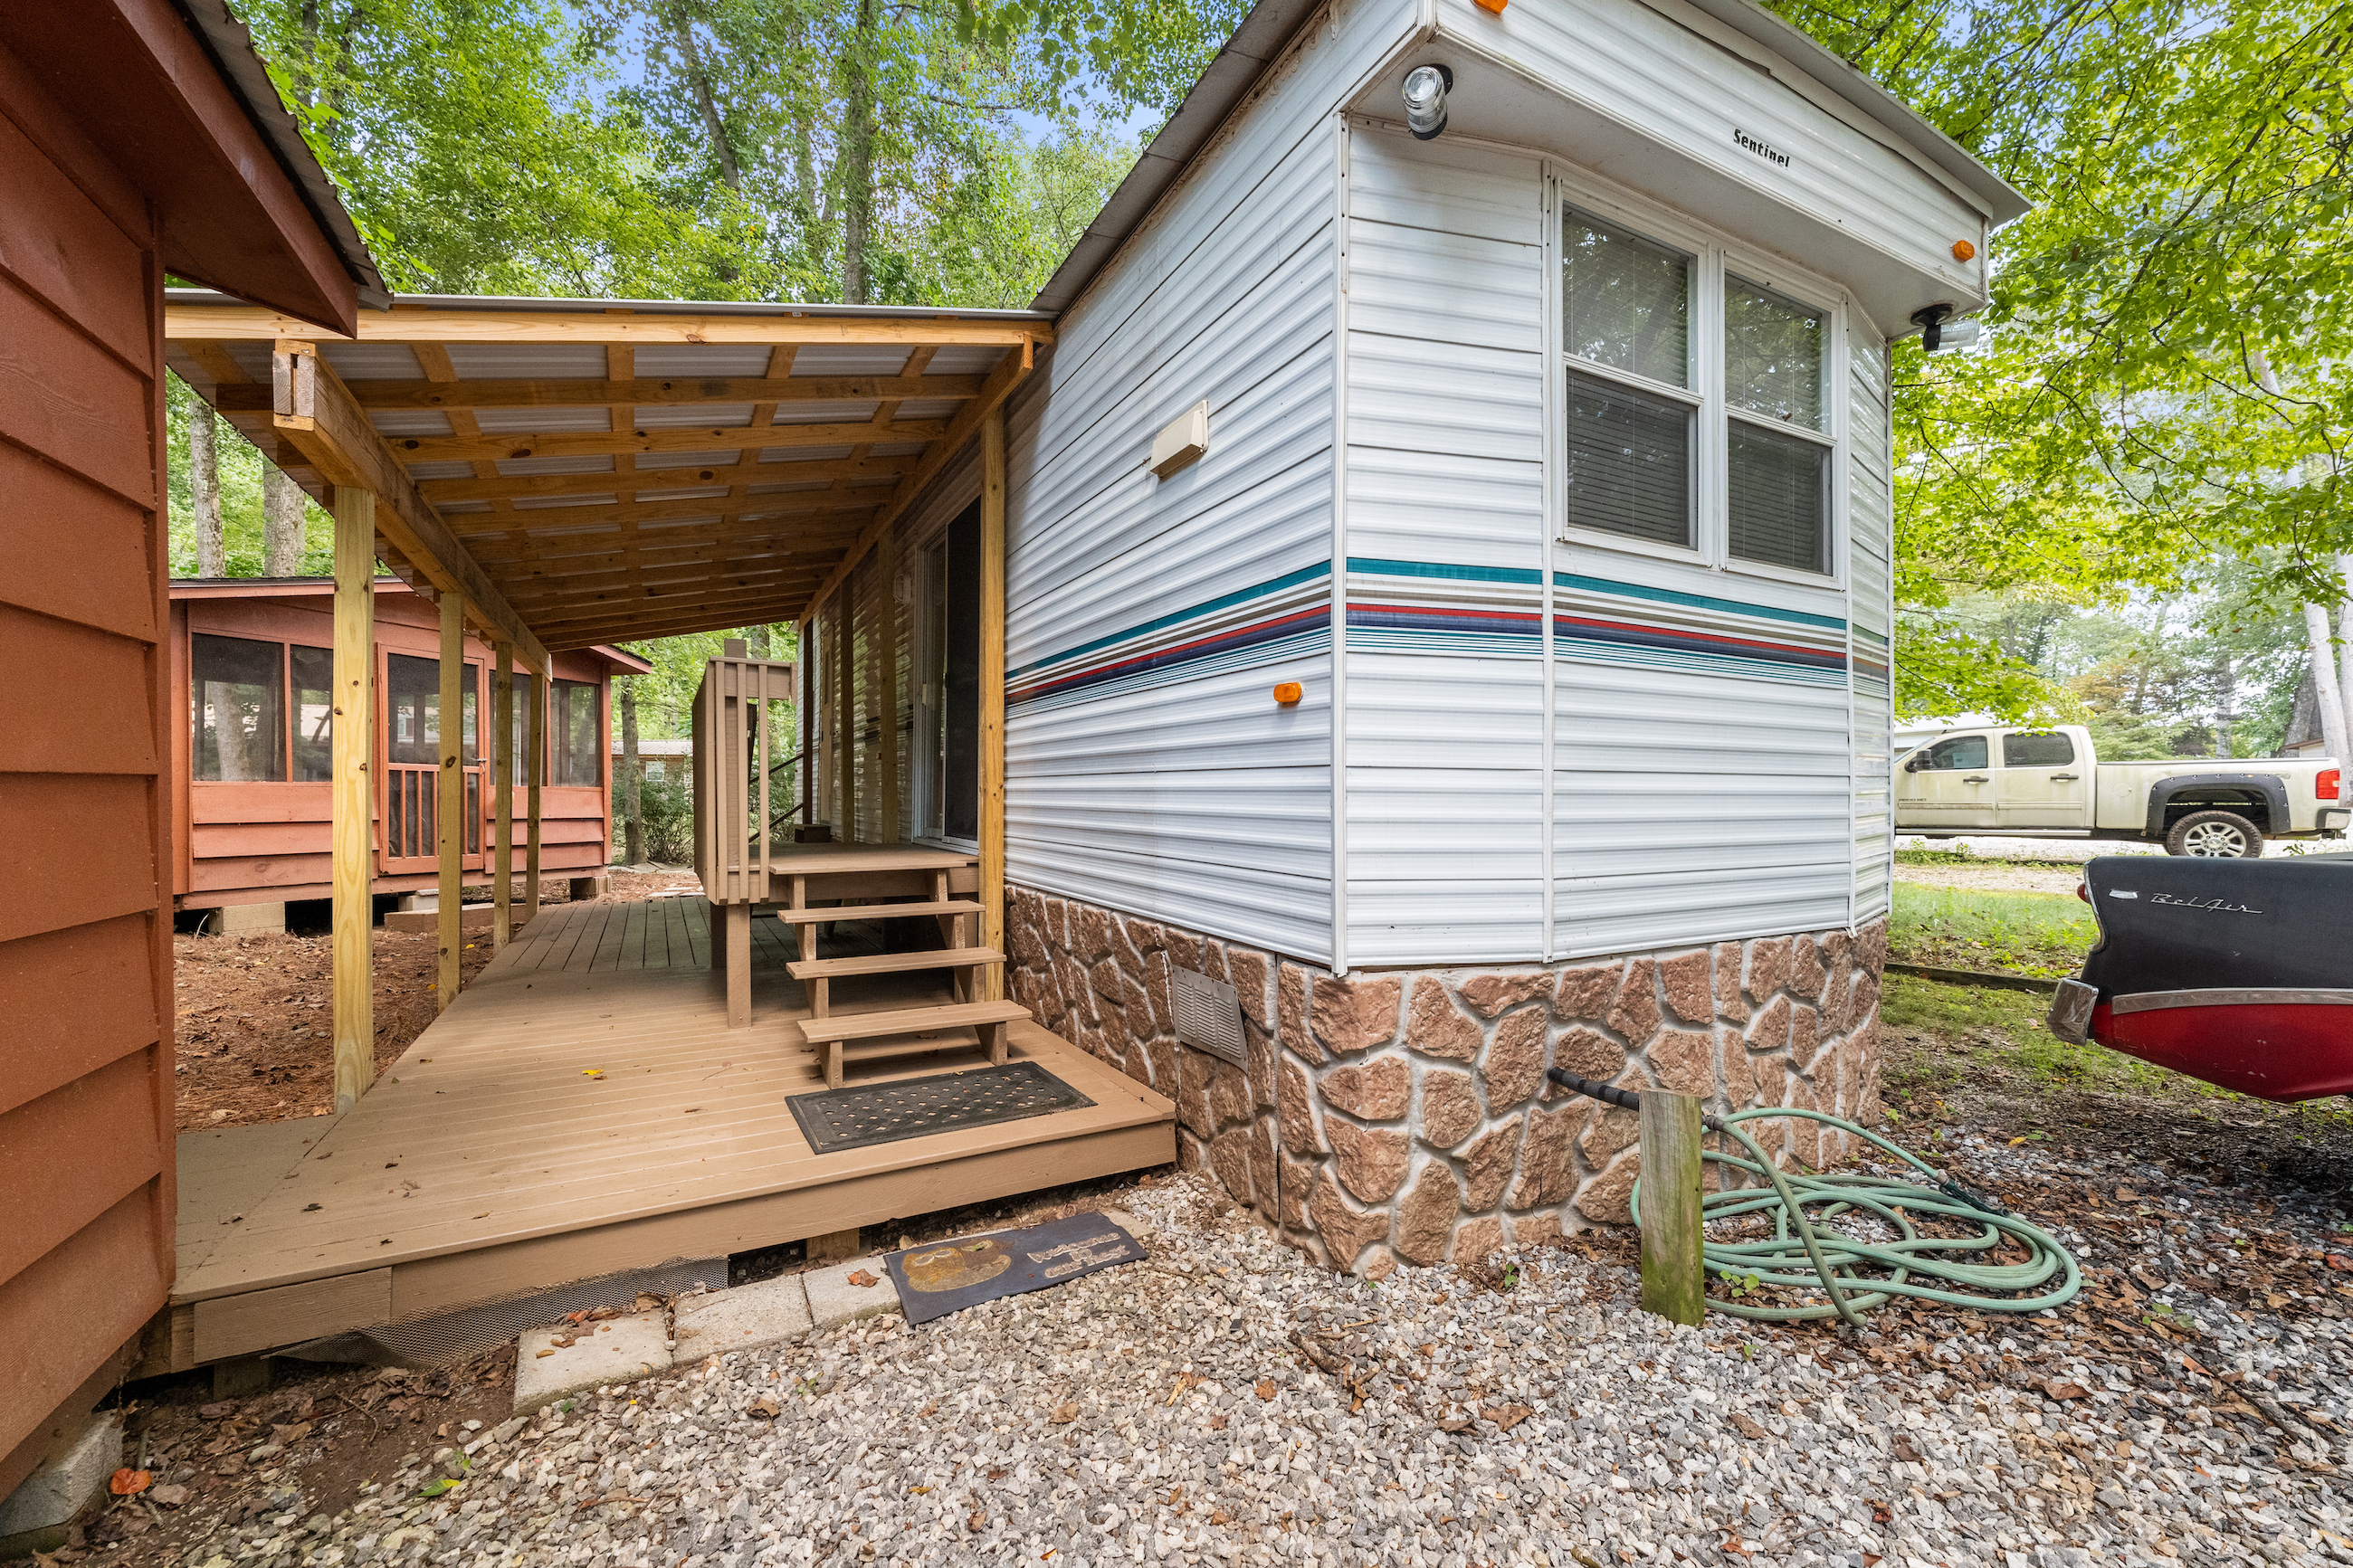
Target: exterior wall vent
column 1182, row 443
column 1209, row 1014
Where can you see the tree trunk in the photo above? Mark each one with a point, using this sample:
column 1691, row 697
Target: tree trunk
column 729, row 169
column 282, row 525
column 858, row 155
column 2328, row 690
column 633, row 823
column 204, row 486
column 2226, row 710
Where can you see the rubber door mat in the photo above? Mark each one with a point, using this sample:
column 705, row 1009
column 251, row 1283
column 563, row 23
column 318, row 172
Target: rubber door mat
column 950, row 1275
column 858, row 1115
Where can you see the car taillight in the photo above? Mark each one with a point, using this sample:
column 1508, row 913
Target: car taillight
column 2324, row 787
column 2083, row 892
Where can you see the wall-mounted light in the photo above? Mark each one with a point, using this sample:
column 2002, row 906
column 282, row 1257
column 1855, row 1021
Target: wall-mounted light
column 1938, row 330
column 1426, row 88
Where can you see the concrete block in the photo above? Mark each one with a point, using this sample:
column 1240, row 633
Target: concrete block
column 471, row 917
column 243, row 920
column 586, row 890
column 770, row 1312
column 34, row 1516
column 617, row 1349
column 834, row 1300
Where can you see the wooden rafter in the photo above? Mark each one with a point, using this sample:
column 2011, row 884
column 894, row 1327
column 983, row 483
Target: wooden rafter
column 640, row 393
column 627, row 480
column 608, row 443
column 788, row 504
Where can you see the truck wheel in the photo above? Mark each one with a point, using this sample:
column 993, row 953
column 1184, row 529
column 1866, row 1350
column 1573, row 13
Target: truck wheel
column 2216, row 835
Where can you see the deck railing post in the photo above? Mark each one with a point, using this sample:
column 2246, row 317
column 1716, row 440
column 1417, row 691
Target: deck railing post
column 534, row 774
column 992, row 694
column 450, row 808
column 502, row 795
column 352, row 796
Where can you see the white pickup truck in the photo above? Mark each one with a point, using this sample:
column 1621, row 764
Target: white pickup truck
column 2049, row 781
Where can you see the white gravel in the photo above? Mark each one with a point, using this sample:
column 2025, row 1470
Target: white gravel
column 1065, row 1426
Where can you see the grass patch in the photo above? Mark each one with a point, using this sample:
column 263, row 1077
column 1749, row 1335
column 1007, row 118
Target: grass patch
column 2042, row 935
column 1959, row 855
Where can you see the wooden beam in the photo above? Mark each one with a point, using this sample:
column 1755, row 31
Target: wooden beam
column 885, row 643
column 534, row 765
column 992, row 692
column 846, row 698
column 318, row 415
column 502, row 797
column 636, row 479
column 558, row 609
column 674, row 622
column 351, row 796
column 470, row 524
column 654, row 440
column 640, row 393
column 450, row 806
column 631, row 615
column 1009, row 375
column 418, row 323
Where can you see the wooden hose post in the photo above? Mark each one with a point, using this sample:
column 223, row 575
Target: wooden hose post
column 1674, row 1277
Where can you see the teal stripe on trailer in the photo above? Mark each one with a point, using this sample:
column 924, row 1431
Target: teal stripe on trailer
column 1696, row 601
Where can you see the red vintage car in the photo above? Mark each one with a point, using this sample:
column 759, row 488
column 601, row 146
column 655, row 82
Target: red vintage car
column 2236, row 972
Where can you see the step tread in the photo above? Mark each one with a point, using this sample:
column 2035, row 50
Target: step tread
column 893, row 963
column 884, row 1050
column 908, row 1020
column 876, row 911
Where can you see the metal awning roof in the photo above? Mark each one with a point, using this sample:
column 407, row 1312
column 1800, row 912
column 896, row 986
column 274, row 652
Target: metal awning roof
column 591, row 471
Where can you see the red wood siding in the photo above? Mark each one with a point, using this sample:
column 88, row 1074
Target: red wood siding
column 86, row 1180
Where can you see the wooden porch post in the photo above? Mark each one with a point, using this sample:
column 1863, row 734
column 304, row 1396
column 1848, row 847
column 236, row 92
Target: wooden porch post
column 992, row 694
column 534, row 769
column 502, row 795
column 351, row 796
column 449, row 804
column 845, row 710
column 886, row 688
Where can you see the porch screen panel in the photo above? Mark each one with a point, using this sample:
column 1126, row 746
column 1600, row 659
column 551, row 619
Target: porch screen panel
column 314, row 713
column 575, row 724
column 240, row 709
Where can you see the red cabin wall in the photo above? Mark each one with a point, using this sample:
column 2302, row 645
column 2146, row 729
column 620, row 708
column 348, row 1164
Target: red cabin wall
column 86, row 1180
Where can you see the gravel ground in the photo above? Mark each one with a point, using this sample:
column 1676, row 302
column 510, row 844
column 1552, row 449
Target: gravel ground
column 2058, row 851
column 1225, row 1402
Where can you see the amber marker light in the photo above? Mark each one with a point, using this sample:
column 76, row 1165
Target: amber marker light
column 1495, row 7
column 1964, row 251
column 1288, row 693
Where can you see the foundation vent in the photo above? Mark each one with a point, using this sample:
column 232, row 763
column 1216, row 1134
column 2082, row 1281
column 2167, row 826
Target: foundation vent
column 1209, row 1014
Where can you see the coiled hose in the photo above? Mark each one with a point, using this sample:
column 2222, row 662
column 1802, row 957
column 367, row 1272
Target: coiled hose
column 1807, row 1250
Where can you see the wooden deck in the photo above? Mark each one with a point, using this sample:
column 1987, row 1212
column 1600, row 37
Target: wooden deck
column 488, row 1161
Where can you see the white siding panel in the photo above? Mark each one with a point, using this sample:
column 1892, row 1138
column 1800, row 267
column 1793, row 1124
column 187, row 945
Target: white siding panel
column 1446, row 517
column 1142, row 773
column 1872, row 527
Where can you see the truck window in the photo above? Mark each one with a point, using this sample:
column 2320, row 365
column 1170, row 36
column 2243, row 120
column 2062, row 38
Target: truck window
column 2046, row 750
column 1954, row 754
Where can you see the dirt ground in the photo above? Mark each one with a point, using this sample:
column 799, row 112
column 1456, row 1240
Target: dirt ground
column 1994, row 877
column 254, row 1019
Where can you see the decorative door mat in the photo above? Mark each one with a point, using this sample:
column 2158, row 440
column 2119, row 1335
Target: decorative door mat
column 857, row 1115
column 950, row 1275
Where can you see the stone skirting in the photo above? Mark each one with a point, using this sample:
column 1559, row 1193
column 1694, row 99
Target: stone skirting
column 1404, row 1113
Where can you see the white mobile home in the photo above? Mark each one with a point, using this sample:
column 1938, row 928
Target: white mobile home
column 1423, row 563
column 1568, row 426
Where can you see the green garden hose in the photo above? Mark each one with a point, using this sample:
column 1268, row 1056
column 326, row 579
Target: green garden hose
column 1808, row 1251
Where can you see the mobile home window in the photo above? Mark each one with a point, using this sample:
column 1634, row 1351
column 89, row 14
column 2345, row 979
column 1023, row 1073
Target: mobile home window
column 314, row 713
column 1778, row 463
column 572, row 731
column 239, row 692
column 1626, row 317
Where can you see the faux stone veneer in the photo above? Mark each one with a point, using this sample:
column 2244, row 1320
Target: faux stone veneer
column 1405, row 1113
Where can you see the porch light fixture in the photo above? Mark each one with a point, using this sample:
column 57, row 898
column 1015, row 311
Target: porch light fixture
column 1426, row 88
column 1938, row 332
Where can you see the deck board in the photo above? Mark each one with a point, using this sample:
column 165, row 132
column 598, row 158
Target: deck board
column 487, row 1151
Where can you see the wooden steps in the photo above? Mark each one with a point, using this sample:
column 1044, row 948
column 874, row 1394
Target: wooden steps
column 977, row 970
column 877, row 912
column 893, row 963
column 907, row 1020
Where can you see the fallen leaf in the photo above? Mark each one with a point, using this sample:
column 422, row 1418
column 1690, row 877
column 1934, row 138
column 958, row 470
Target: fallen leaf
column 1065, row 1414
column 169, row 1496
column 287, row 1436
column 765, row 1407
column 543, row 1355
column 129, row 1482
column 1748, row 1426
column 1184, row 1382
column 435, row 1488
column 214, row 1412
column 1506, row 1417
column 2056, row 1390
column 1217, row 1423
column 1221, row 1516
column 1879, row 1514
column 863, row 1277
column 1905, row 1451
column 1454, row 1424
column 919, row 1492
column 1265, row 1389
column 592, row 1072
column 2340, row 1262
column 977, row 1522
